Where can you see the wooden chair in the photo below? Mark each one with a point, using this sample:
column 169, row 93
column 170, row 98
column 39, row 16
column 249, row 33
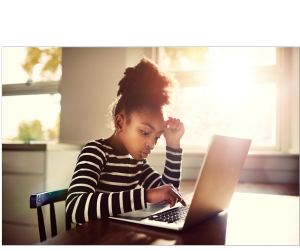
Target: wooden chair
column 38, row 200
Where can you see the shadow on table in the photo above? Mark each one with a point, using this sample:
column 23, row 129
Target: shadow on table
column 209, row 232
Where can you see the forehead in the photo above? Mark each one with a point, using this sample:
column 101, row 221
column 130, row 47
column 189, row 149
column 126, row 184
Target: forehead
column 153, row 118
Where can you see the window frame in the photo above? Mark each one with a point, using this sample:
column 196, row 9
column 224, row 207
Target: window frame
column 49, row 87
column 279, row 74
column 31, row 88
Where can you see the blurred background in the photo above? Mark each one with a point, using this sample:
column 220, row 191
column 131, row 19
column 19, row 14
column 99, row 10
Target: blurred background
column 55, row 100
column 241, row 91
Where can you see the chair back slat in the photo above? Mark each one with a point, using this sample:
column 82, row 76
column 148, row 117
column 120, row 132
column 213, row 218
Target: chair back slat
column 68, row 222
column 41, row 224
column 38, row 200
column 45, row 198
column 53, row 220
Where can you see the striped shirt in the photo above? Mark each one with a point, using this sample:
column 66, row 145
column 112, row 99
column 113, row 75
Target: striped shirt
column 106, row 182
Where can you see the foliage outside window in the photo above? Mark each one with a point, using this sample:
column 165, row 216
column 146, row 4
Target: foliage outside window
column 34, row 117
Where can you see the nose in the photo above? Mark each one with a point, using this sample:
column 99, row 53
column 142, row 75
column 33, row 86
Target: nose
column 151, row 146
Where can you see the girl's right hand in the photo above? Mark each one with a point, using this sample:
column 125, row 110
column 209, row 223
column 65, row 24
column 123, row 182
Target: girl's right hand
column 166, row 193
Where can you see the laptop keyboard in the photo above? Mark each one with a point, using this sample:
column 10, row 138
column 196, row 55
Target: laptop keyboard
column 173, row 215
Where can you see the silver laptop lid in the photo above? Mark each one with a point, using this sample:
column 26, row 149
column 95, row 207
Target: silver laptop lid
column 218, row 177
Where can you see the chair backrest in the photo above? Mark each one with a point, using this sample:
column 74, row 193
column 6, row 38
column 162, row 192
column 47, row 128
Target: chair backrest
column 38, row 200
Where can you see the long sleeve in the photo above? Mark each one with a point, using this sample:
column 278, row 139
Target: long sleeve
column 172, row 171
column 104, row 182
column 84, row 202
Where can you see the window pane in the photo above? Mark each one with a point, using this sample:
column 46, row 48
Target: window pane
column 197, row 58
column 39, row 64
column 40, row 115
column 247, row 111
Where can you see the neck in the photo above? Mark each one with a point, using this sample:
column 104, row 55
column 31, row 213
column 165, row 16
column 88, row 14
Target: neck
column 116, row 143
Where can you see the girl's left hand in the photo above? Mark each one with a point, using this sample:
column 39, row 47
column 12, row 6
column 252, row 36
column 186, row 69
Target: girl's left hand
column 173, row 132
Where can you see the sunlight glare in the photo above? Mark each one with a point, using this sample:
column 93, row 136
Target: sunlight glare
column 15, row 109
column 232, row 105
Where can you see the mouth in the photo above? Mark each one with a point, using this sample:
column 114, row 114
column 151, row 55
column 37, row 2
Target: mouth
column 145, row 154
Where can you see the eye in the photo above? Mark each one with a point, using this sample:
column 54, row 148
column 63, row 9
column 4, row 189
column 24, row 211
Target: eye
column 157, row 138
column 145, row 133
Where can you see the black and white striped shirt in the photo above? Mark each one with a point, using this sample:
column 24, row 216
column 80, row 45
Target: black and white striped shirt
column 106, row 182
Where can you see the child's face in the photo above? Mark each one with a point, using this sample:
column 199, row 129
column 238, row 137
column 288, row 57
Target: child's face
column 141, row 135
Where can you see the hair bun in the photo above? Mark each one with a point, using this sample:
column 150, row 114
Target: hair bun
column 147, row 85
column 128, row 71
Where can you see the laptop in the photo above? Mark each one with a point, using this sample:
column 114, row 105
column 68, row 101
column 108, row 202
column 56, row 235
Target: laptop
column 218, row 176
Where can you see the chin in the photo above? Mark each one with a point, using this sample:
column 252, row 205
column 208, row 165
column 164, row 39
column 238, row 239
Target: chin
column 137, row 157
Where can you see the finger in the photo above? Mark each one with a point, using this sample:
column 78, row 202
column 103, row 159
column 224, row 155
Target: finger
column 171, row 122
column 179, row 126
column 176, row 123
column 175, row 190
column 179, row 197
column 168, row 201
column 183, row 203
column 176, row 194
column 170, row 119
column 173, row 200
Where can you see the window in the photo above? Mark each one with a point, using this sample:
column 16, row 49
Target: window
column 235, row 91
column 30, row 94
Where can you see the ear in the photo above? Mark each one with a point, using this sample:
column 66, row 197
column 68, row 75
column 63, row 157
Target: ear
column 119, row 122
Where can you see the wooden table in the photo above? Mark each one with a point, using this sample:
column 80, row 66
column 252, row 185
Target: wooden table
column 251, row 219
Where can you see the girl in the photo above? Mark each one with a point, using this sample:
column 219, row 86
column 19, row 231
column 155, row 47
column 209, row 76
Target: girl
column 112, row 175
